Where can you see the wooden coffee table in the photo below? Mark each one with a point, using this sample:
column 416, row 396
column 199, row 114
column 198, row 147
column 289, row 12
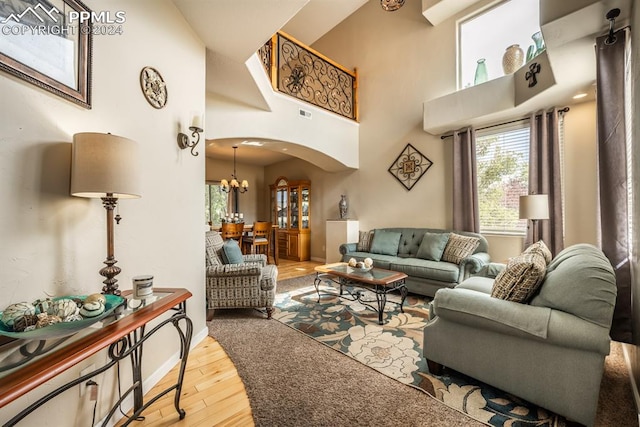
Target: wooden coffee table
column 377, row 280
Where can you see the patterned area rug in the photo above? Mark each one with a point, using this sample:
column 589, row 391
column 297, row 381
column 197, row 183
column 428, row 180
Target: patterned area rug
column 395, row 349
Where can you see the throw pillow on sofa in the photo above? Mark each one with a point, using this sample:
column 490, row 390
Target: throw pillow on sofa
column 540, row 248
column 459, row 247
column 231, row 252
column 432, row 246
column 522, row 277
column 364, row 241
column 385, row 242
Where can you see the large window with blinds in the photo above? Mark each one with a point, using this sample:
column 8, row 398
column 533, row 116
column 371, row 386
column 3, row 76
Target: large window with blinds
column 502, row 160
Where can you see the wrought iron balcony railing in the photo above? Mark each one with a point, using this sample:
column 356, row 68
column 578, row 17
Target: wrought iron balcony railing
column 301, row 72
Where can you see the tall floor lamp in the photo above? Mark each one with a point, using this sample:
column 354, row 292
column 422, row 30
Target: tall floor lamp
column 534, row 207
column 106, row 166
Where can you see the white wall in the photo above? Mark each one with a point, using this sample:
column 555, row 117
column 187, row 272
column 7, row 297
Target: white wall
column 53, row 243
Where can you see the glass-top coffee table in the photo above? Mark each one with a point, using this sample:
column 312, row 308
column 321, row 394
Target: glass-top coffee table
column 353, row 281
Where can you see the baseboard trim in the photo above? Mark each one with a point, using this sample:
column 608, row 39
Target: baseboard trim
column 634, row 385
column 155, row 377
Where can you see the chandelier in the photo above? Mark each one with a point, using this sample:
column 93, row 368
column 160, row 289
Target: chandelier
column 227, row 186
column 391, row 5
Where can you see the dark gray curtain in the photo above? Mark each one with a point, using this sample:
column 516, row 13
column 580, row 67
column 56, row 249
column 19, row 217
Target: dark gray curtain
column 544, row 177
column 612, row 173
column 466, row 216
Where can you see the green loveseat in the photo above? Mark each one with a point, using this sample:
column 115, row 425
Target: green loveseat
column 425, row 276
column 549, row 351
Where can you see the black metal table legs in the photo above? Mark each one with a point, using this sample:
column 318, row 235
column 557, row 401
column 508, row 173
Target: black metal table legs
column 356, row 294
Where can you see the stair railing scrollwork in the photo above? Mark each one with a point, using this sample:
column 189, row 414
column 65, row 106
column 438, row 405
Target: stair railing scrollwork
column 303, row 73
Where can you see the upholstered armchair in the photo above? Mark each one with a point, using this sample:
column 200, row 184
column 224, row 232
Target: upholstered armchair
column 549, row 350
column 249, row 284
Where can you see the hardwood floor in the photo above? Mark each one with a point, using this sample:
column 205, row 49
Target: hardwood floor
column 213, row 394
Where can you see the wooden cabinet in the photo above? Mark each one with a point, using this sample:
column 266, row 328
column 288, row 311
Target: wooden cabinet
column 291, row 211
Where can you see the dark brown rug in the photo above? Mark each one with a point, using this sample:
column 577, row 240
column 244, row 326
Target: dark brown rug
column 293, row 380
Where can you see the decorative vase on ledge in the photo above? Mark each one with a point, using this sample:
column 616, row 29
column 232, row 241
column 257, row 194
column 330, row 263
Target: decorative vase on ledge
column 512, row 59
column 537, row 47
column 481, row 75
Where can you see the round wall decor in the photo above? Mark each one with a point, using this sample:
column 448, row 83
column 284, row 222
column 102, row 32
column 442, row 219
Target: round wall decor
column 153, row 87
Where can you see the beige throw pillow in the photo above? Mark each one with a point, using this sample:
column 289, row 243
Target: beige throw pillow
column 522, row 277
column 540, row 248
column 364, row 241
column 459, row 247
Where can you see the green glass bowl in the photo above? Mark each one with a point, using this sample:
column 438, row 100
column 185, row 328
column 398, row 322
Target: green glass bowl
column 64, row 328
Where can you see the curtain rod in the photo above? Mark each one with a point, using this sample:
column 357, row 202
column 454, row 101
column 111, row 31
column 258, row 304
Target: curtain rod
column 562, row 110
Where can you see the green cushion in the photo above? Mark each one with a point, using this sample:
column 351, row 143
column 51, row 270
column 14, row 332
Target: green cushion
column 385, row 242
column 432, row 246
column 231, row 252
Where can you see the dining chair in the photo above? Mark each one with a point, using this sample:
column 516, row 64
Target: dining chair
column 233, row 230
column 260, row 237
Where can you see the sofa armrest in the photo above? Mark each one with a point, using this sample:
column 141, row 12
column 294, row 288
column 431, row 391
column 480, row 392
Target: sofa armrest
column 255, row 258
column 472, row 264
column 479, row 310
column 233, row 270
column 269, row 278
column 491, row 270
column 346, row 248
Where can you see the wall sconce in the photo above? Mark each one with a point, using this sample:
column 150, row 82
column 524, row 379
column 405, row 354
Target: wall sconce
column 196, row 128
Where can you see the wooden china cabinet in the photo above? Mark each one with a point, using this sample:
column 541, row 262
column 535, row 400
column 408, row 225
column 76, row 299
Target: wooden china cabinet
column 290, row 210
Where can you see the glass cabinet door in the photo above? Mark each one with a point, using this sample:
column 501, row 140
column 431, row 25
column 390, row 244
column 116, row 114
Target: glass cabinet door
column 281, row 207
column 304, row 202
column 293, row 204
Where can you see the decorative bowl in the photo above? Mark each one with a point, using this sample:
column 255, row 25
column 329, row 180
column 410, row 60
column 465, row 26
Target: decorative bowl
column 363, row 269
column 64, row 328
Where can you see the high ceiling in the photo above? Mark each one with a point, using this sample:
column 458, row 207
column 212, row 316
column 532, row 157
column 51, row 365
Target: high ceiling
column 233, row 30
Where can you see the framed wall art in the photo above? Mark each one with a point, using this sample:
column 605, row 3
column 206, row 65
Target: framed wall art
column 45, row 43
column 410, row 166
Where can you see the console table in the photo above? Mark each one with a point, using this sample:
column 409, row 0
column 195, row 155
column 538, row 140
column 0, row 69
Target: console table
column 123, row 334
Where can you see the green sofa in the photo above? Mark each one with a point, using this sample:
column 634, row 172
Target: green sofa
column 549, row 351
column 425, row 276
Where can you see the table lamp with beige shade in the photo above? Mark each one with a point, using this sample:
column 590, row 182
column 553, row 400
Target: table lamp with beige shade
column 106, row 166
column 534, row 207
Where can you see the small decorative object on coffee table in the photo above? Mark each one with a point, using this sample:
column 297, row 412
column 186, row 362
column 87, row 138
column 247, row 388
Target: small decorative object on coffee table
column 354, row 280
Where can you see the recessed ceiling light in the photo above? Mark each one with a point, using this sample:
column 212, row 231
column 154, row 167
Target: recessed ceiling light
column 580, row 95
column 284, row 149
column 252, row 143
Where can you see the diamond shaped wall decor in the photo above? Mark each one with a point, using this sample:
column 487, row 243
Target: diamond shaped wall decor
column 409, row 167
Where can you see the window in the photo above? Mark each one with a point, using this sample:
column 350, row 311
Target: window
column 488, row 34
column 215, row 203
column 502, row 159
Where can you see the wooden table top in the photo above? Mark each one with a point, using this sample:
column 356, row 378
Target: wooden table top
column 42, row 369
column 375, row 276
